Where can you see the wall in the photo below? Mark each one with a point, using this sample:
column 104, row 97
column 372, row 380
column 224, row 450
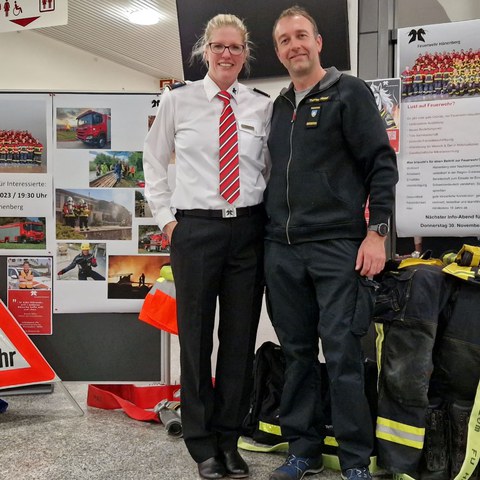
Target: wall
column 34, row 62
column 412, row 12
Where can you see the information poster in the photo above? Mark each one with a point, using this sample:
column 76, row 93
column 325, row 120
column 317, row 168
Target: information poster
column 72, row 190
column 30, row 293
column 438, row 193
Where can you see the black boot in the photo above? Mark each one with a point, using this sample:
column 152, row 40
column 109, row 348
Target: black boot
column 435, row 461
column 459, row 412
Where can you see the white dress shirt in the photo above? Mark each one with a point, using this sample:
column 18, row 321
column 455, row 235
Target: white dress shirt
column 187, row 125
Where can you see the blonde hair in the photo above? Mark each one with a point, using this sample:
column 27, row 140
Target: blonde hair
column 219, row 21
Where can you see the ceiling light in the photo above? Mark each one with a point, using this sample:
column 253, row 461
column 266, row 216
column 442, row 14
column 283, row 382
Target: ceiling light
column 144, row 17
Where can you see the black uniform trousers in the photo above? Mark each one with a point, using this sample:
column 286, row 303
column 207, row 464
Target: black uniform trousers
column 217, row 258
column 314, row 291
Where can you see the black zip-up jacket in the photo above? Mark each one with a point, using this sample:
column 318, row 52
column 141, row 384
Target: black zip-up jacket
column 328, row 155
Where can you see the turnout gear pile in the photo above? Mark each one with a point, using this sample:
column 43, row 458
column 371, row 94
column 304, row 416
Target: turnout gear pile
column 428, row 347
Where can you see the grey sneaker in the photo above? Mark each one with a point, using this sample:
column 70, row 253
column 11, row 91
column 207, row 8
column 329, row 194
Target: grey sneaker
column 295, row 468
column 361, row 473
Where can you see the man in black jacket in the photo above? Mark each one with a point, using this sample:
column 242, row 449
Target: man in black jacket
column 330, row 153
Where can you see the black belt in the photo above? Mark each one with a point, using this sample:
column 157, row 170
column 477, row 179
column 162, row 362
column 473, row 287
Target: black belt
column 228, row 212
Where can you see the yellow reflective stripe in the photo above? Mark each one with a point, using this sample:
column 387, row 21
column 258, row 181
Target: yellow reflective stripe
column 270, row 428
column 409, row 262
column 379, row 344
column 473, row 441
column 461, row 272
column 402, row 476
column 400, row 433
column 330, row 441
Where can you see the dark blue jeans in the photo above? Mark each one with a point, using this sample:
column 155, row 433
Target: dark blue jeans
column 314, row 292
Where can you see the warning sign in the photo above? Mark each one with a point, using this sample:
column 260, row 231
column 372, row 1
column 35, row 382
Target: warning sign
column 20, row 361
column 27, row 14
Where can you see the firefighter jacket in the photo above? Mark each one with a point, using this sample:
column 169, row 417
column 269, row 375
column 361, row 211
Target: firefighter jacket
column 407, row 310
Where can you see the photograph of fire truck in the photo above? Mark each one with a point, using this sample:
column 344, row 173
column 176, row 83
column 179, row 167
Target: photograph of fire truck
column 22, row 233
column 152, row 240
column 83, row 127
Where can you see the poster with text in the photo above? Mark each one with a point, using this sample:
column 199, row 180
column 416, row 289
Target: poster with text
column 438, row 193
column 29, row 293
column 25, row 164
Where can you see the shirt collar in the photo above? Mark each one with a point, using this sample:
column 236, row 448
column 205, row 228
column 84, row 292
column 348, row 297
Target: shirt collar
column 211, row 88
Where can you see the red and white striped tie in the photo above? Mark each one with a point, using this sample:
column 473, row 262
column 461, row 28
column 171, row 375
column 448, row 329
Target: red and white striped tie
column 229, row 164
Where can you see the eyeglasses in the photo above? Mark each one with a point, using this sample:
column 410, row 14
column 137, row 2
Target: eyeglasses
column 219, row 48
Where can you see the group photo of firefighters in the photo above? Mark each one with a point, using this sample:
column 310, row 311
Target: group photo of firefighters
column 94, row 214
column 451, row 74
column 20, row 146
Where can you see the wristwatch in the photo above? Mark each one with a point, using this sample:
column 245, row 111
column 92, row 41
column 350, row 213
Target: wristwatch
column 381, row 228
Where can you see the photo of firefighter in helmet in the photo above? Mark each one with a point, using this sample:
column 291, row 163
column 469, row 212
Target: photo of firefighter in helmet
column 68, row 212
column 82, row 212
column 86, row 261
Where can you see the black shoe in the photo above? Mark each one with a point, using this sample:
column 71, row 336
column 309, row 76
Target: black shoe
column 235, row 464
column 212, row 468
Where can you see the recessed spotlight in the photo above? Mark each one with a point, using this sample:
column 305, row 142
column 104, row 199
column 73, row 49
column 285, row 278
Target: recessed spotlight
column 144, row 17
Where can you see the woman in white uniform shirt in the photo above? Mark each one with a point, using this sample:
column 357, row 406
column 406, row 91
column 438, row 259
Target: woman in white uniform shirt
column 216, row 246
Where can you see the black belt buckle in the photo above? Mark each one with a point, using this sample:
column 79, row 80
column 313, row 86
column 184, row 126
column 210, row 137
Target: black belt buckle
column 229, row 212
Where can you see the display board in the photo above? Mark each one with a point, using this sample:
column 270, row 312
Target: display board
column 78, row 247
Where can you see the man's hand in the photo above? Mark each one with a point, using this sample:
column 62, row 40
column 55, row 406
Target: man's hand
column 168, row 230
column 371, row 255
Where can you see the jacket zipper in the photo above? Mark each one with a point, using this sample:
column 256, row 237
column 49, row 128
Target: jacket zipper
column 292, row 124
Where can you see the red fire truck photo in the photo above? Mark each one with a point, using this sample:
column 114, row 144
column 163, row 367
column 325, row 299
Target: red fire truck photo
column 93, row 128
column 22, row 232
